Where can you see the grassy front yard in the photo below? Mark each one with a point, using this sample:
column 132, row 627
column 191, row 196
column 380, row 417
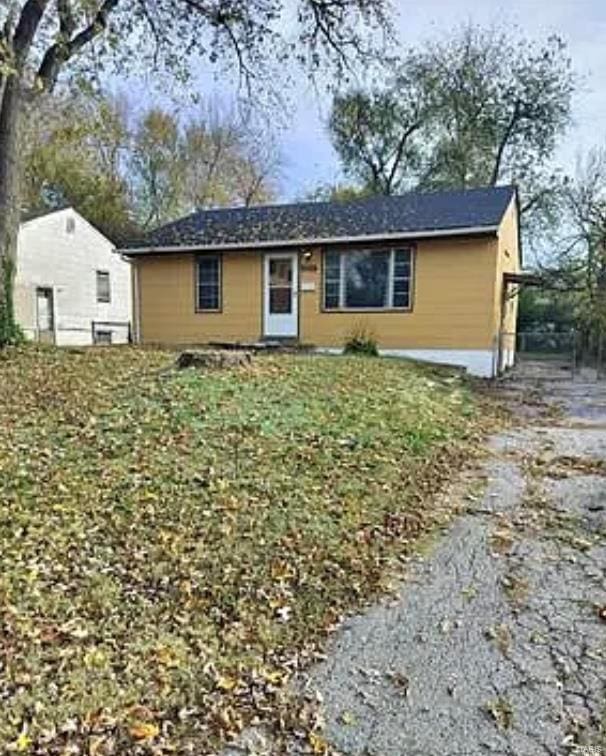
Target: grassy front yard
column 174, row 545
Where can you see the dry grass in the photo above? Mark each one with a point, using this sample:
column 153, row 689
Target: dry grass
column 501, row 636
column 501, row 712
column 517, row 589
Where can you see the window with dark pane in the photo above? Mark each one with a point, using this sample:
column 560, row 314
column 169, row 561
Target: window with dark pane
column 280, row 272
column 367, row 279
column 280, row 301
column 209, row 283
column 103, row 337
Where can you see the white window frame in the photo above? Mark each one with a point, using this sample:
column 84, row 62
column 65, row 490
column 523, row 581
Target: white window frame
column 391, row 278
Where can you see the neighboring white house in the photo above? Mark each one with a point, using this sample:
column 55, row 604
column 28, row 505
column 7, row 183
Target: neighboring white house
column 71, row 286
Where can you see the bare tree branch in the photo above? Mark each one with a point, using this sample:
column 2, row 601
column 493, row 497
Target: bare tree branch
column 67, row 22
column 506, row 136
column 397, row 158
column 27, row 26
column 151, row 22
column 59, row 53
column 322, row 13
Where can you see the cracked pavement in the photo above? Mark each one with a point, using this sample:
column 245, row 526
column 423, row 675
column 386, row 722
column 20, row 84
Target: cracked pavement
column 494, row 643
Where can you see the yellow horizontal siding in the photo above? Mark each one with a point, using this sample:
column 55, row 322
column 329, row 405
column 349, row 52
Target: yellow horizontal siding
column 452, row 305
column 453, row 301
column 167, row 294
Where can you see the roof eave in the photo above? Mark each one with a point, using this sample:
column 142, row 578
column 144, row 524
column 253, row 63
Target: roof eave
column 313, row 241
column 44, row 214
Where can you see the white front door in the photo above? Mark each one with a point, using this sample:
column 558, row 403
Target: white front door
column 280, row 296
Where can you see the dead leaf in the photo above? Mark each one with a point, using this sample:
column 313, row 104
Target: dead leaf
column 144, row 731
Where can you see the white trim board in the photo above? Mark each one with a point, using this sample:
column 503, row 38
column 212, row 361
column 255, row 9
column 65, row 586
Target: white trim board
column 479, row 362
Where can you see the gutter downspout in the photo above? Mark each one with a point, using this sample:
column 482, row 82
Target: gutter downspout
column 136, row 303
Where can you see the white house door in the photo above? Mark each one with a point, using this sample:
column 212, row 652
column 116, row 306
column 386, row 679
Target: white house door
column 45, row 314
column 280, row 296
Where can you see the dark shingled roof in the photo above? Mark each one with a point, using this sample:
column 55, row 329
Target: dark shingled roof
column 373, row 216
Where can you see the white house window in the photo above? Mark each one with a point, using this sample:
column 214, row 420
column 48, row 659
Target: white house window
column 70, row 225
column 103, row 286
column 208, row 288
column 368, row 279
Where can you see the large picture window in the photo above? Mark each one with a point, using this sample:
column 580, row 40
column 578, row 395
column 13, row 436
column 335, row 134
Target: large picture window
column 368, row 279
column 208, row 289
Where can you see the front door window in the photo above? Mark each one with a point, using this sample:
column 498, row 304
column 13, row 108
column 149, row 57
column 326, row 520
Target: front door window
column 280, row 295
column 280, row 286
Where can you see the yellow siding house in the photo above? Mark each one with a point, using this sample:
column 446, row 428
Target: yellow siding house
column 426, row 274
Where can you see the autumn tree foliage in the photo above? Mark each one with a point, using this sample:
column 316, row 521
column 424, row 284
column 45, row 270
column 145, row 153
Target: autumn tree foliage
column 41, row 40
column 479, row 107
column 211, row 158
column 128, row 170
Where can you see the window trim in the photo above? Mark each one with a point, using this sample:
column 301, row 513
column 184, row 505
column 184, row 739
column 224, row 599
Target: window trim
column 99, row 272
column 203, row 310
column 391, row 248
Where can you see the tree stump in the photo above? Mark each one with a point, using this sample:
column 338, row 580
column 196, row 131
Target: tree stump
column 213, row 359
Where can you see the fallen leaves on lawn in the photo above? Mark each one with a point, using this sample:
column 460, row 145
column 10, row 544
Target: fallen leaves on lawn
column 564, row 466
column 177, row 546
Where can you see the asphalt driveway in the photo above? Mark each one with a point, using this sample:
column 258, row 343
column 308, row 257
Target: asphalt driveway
column 496, row 641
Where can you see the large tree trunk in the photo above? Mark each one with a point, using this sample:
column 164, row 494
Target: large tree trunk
column 20, row 38
column 10, row 116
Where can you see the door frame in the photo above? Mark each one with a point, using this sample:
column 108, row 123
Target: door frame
column 53, row 311
column 276, row 254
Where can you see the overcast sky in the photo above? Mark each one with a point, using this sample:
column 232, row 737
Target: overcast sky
column 309, row 158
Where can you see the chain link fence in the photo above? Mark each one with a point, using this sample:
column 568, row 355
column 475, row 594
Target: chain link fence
column 561, row 352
